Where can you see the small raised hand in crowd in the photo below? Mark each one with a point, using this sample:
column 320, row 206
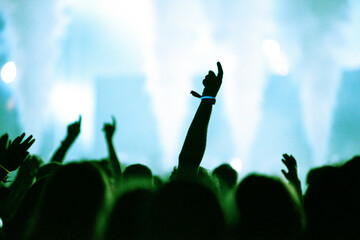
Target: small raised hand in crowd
column 292, row 172
column 109, row 130
column 12, row 154
column 73, row 131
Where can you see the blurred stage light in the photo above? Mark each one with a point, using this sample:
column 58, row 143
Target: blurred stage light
column 237, row 164
column 8, row 72
column 71, row 99
column 276, row 60
column 271, row 48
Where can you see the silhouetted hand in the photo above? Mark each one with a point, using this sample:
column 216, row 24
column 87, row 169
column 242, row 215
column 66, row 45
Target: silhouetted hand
column 290, row 163
column 109, row 129
column 3, row 145
column 15, row 152
column 73, row 130
column 194, row 145
column 213, row 82
column 292, row 175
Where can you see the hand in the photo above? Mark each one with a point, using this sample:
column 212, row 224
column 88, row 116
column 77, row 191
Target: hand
column 109, row 129
column 4, row 139
column 16, row 151
column 73, row 130
column 291, row 166
column 213, row 82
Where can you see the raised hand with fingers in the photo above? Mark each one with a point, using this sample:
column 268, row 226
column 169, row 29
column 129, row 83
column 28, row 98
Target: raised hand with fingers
column 17, row 151
column 4, row 140
column 73, row 130
column 211, row 84
column 292, row 173
column 12, row 154
column 109, row 129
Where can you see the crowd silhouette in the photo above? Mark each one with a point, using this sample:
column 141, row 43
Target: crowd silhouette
column 97, row 199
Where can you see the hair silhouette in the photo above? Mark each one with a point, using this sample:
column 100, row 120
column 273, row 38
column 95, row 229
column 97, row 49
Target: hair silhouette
column 268, row 210
column 72, row 204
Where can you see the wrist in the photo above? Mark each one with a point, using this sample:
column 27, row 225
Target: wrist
column 209, row 99
column 204, row 98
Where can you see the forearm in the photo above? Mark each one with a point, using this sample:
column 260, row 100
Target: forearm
column 60, row 153
column 194, row 146
column 114, row 161
column 296, row 184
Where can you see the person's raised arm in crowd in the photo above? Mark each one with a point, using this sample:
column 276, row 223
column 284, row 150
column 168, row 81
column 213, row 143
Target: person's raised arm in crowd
column 73, row 131
column 195, row 142
column 109, row 130
column 292, row 174
column 12, row 154
column 24, row 179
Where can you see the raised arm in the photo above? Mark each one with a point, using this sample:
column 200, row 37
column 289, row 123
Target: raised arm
column 291, row 175
column 73, row 131
column 109, row 130
column 12, row 154
column 19, row 187
column 194, row 146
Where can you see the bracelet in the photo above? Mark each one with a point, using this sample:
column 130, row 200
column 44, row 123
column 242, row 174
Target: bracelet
column 7, row 171
column 212, row 99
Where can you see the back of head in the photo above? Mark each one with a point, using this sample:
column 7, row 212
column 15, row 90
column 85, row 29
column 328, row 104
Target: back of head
column 137, row 176
column 268, row 209
column 137, row 171
column 187, row 210
column 130, row 217
column 71, row 203
column 227, row 176
column 331, row 201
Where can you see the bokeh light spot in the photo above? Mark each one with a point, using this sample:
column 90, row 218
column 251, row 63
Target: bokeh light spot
column 8, row 72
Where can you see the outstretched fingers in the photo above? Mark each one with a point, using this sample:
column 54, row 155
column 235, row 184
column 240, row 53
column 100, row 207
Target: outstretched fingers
column 28, row 142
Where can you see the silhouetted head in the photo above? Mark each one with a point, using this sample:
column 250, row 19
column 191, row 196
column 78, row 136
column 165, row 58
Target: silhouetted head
column 158, row 182
column 268, row 209
column 137, row 171
column 331, row 201
column 203, row 176
column 137, row 176
column 73, row 204
column 187, row 210
column 227, row 176
column 130, row 217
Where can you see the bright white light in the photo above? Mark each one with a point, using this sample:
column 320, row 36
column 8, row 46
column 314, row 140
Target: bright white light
column 276, row 59
column 237, row 164
column 71, row 99
column 280, row 65
column 8, row 72
column 271, row 48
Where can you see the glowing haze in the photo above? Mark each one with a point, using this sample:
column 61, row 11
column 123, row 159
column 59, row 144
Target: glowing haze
column 173, row 44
